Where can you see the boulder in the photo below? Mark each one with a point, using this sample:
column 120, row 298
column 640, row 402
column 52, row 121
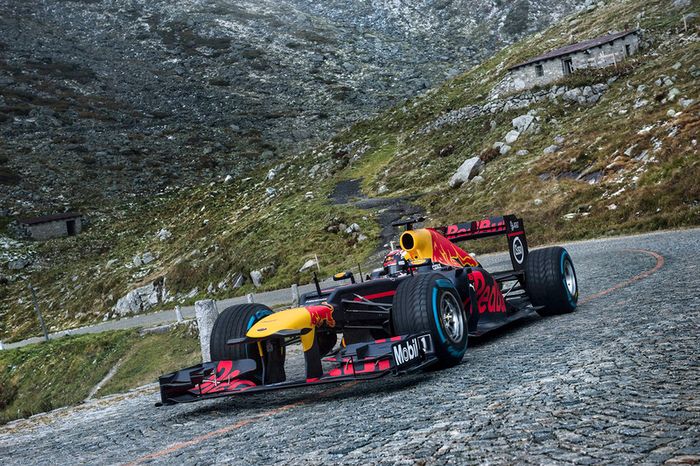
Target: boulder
column 164, row 235
column 524, row 123
column 271, row 174
column 572, row 95
column 504, row 149
column 147, row 258
column 256, row 277
column 512, row 136
column 228, row 179
column 468, row 170
column 551, row 149
column 522, row 152
column 138, row 300
column 18, row 264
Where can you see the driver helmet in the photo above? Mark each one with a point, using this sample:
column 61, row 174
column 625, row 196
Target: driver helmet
column 394, row 262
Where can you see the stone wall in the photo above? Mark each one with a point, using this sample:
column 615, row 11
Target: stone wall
column 48, row 230
column 553, row 69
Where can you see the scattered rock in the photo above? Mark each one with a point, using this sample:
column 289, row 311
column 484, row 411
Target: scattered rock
column 559, row 140
column 671, row 113
column 309, row 195
column 512, row 136
column 238, row 280
column 570, row 216
column 537, row 202
column 19, row 264
column 271, row 192
column 164, row 235
column 522, row 152
column 147, row 258
column 681, row 3
column 477, row 179
column 228, row 179
column 612, row 207
column 469, row 169
column 256, row 277
column 504, row 149
column 673, row 93
column 137, row 261
column 685, row 103
column 524, row 123
column 352, row 228
column 551, row 149
column 140, row 299
column 362, row 237
column 271, row 174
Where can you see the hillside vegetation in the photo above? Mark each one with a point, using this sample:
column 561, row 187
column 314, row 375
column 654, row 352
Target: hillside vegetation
column 627, row 163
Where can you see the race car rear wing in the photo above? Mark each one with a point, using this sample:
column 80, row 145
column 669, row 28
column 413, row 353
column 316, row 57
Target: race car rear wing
column 509, row 225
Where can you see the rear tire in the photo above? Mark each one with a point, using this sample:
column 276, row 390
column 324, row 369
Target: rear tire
column 234, row 322
column 550, row 280
column 429, row 303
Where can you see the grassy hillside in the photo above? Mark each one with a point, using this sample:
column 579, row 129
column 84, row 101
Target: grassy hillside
column 45, row 376
column 625, row 164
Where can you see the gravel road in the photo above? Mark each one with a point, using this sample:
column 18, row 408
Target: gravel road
column 616, row 382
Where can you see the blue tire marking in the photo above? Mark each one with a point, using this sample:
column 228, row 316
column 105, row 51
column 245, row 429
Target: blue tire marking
column 568, row 294
column 435, row 313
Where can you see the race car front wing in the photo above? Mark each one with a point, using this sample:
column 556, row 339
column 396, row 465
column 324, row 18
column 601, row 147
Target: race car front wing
column 359, row 361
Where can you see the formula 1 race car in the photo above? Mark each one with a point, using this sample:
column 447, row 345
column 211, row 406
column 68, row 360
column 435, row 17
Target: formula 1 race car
column 416, row 312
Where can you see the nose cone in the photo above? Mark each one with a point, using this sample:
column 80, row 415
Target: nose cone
column 297, row 318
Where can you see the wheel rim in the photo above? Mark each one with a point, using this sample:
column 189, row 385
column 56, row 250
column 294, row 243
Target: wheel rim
column 570, row 278
column 451, row 317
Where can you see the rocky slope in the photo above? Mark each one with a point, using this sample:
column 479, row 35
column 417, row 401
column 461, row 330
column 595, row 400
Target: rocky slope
column 101, row 100
column 597, row 153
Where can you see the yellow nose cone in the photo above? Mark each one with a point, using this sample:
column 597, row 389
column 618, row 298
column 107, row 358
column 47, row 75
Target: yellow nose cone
column 297, row 318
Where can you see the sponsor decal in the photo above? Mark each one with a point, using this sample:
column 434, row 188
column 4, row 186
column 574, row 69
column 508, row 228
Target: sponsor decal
column 320, row 315
column 407, row 352
column 514, row 225
column 518, row 250
column 224, row 379
column 488, row 294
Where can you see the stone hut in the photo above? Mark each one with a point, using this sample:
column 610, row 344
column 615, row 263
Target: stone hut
column 600, row 52
column 52, row 226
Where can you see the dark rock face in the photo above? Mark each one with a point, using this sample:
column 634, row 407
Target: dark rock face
column 102, row 100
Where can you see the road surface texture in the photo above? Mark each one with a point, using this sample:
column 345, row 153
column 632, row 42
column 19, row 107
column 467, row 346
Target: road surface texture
column 616, row 382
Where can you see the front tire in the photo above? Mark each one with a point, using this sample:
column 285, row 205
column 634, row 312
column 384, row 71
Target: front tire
column 550, row 280
column 234, row 322
column 429, row 303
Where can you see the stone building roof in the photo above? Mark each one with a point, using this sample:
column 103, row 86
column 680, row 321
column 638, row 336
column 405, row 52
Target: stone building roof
column 49, row 218
column 578, row 47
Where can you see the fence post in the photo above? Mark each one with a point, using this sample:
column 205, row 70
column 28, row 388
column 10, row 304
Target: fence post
column 178, row 314
column 206, row 314
column 295, row 294
column 249, row 297
column 2, row 347
column 38, row 312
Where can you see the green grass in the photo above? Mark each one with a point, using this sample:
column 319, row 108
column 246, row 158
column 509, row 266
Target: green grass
column 45, row 376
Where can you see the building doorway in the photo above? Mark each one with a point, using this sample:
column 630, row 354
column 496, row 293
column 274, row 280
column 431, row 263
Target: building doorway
column 70, row 226
column 567, row 66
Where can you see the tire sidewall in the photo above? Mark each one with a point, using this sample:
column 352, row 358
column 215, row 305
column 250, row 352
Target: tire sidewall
column 447, row 351
column 564, row 259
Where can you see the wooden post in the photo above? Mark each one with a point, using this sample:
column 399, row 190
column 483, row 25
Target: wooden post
column 38, row 312
column 317, row 264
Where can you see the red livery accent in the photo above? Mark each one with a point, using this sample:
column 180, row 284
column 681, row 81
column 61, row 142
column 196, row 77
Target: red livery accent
column 383, row 294
column 488, row 293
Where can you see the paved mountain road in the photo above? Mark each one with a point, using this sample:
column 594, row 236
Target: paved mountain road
column 616, row 382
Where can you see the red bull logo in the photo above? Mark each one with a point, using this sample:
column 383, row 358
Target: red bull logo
column 322, row 314
column 446, row 252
